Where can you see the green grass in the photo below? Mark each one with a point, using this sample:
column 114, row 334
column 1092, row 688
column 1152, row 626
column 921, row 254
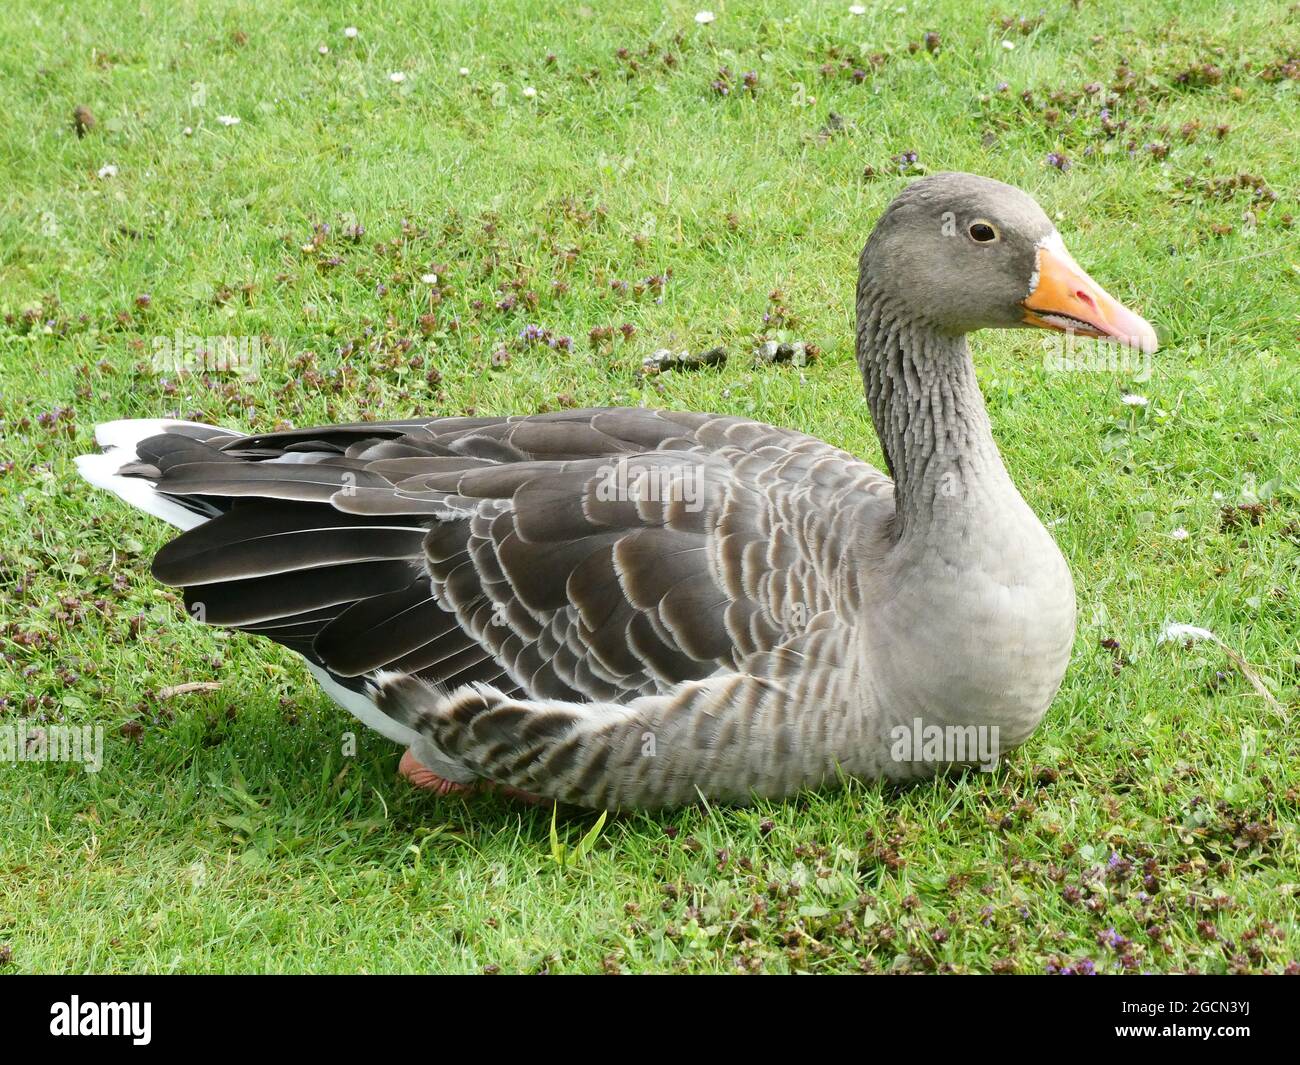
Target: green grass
column 228, row 831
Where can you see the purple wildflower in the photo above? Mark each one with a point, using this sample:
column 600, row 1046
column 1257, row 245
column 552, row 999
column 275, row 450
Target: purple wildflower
column 905, row 160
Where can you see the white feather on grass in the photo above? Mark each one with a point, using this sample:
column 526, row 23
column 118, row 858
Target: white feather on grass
column 1180, row 631
column 1177, row 630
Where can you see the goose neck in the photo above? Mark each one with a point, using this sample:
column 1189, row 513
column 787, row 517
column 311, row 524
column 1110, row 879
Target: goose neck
column 929, row 414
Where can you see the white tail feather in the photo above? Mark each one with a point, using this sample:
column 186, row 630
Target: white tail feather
column 118, row 439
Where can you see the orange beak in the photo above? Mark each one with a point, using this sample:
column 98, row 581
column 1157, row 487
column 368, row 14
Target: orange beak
column 1066, row 299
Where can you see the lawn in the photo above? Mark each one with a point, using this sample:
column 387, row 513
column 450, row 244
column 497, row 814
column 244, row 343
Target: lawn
column 626, row 179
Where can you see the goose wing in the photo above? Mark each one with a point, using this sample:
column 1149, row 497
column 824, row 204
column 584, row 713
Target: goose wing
column 580, row 555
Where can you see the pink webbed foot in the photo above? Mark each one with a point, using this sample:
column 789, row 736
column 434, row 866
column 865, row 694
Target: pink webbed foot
column 419, row 776
column 426, row 779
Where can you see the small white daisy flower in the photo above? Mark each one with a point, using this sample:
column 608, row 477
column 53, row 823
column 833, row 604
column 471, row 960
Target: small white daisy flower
column 1010, row 46
column 529, row 91
column 1179, row 534
column 324, row 49
column 108, row 170
column 228, row 120
column 704, row 17
column 857, row 9
column 188, row 131
column 350, row 33
column 464, row 72
column 429, row 279
column 1129, row 399
column 397, row 77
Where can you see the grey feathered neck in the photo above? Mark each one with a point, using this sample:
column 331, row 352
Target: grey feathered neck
column 929, row 414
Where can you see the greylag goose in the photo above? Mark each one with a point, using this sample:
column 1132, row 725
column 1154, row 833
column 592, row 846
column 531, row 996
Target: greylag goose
column 625, row 607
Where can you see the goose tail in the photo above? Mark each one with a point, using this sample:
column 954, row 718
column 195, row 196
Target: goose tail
column 118, row 468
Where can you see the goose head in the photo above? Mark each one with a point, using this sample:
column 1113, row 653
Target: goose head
column 958, row 253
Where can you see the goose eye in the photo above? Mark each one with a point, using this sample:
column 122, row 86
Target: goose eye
column 983, row 232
